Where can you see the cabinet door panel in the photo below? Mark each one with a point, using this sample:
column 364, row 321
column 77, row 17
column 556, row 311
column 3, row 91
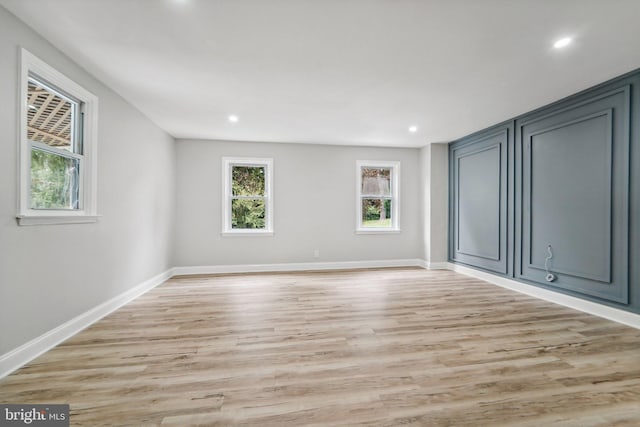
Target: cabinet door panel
column 479, row 235
column 479, row 203
column 574, row 183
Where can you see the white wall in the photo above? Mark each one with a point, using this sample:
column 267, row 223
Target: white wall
column 434, row 179
column 50, row 274
column 314, row 208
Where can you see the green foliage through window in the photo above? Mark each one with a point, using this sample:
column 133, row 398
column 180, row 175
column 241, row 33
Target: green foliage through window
column 376, row 212
column 247, row 181
column 247, row 213
column 54, row 181
column 248, row 197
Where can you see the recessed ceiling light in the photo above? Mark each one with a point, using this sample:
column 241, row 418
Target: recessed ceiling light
column 413, row 129
column 233, row 118
column 559, row 44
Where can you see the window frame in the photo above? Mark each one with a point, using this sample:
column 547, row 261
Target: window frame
column 395, row 196
column 227, row 195
column 31, row 67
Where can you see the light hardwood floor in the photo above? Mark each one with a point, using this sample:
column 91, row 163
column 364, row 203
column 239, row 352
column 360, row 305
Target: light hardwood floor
column 381, row 347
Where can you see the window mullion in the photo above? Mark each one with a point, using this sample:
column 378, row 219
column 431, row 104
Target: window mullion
column 374, row 196
column 56, row 151
column 248, row 197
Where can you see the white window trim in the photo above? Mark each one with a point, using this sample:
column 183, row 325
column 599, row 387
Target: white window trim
column 227, row 163
column 395, row 194
column 29, row 63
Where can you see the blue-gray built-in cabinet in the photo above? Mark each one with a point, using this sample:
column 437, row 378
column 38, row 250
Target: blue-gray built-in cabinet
column 552, row 197
column 481, row 184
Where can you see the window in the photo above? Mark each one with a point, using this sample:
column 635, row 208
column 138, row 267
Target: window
column 57, row 147
column 377, row 204
column 247, row 196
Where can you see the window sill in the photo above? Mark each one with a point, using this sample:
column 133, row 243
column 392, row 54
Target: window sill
column 243, row 233
column 56, row 219
column 378, row 231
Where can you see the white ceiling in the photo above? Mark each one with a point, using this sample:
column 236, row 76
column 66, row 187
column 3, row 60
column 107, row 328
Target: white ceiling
column 340, row 71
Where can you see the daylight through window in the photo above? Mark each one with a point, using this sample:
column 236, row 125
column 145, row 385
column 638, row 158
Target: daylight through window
column 377, row 205
column 248, row 202
column 57, row 146
column 53, row 124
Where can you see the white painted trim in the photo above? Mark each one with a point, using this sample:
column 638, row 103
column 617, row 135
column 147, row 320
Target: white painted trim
column 20, row 356
column 423, row 263
column 600, row 310
column 436, row 265
column 303, row 266
column 378, row 231
column 247, row 233
column 54, row 220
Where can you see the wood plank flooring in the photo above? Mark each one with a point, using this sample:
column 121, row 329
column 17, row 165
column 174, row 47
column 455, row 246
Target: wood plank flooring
column 383, row 347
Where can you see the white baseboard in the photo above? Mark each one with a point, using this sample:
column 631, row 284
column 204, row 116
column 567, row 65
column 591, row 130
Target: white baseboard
column 302, row 266
column 436, row 265
column 20, row 356
column 600, row 310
